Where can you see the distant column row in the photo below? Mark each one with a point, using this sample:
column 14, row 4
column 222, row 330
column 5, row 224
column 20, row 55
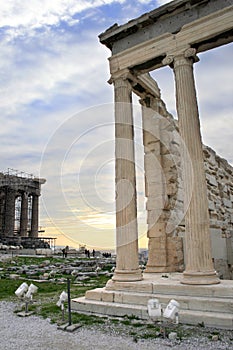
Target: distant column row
column 28, row 224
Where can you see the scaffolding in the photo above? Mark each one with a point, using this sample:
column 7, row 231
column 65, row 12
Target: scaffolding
column 17, row 173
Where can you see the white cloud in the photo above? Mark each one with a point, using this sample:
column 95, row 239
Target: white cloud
column 28, row 16
column 50, row 65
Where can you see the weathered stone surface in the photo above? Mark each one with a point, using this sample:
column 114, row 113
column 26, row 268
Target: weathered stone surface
column 14, row 276
column 219, row 181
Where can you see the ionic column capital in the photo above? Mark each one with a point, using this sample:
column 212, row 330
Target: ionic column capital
column 187, row 56
column 190, row 52
column 121, row 78
column 168, row 60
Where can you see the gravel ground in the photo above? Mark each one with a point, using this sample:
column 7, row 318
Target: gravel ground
column 35, row 333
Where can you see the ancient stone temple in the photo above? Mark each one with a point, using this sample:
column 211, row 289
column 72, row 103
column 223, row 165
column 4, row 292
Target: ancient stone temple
column 19, row 204
column 188, row 196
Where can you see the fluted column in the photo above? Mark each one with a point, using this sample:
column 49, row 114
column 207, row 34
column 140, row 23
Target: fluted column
column 10, row 213
column 2, row 209
column 199, row 267
column 35, row 216
column 24, row 215
column 154, row 187
column 127, row 267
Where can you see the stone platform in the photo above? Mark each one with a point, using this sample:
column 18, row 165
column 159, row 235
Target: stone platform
column 211, row 304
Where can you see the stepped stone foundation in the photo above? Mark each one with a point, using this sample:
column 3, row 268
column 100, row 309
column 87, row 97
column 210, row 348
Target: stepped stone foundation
column 211, row 304
column 187, row 186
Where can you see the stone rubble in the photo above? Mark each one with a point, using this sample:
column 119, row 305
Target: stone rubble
column 80, row 268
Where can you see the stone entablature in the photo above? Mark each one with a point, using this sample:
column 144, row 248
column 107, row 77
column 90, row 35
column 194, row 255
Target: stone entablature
column 207, row 24
column 169, row 18
column 20, row 183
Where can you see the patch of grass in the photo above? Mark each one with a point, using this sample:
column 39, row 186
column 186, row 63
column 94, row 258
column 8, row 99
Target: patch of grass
column 149, row 335
column 49, row 310
column 107, row 267
column 49, row 288
column 126, row 322
column 8, row 288
column 132, row 317
column 87, row 320
column 100, row 281
column 133, row 333
column 150, row 326
column 113, row 320
column 136, row 325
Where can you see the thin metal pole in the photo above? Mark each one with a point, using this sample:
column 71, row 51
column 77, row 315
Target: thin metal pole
column 26, row 307
column 63, row 312
column 69, row 306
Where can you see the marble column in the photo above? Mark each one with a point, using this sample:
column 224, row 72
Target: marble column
column 154, row 187
column 199, row 266
column 127, row 266
column 24, row 215
column 10, row 213
column 35, row 216
column 2, row 210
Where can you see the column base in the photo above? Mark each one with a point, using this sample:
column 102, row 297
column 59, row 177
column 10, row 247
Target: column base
column 200, row 278
column 127, row 275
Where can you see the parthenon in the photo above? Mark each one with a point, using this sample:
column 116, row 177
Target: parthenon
column 19, row 204
column 171, row 35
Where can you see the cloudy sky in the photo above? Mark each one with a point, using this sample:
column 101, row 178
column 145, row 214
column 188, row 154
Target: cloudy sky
column 56, row 109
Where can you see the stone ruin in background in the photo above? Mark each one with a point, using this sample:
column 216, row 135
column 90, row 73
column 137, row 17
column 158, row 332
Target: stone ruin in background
column 19, row 210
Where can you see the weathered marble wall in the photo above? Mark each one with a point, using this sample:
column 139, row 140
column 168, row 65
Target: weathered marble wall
column 219, row 177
